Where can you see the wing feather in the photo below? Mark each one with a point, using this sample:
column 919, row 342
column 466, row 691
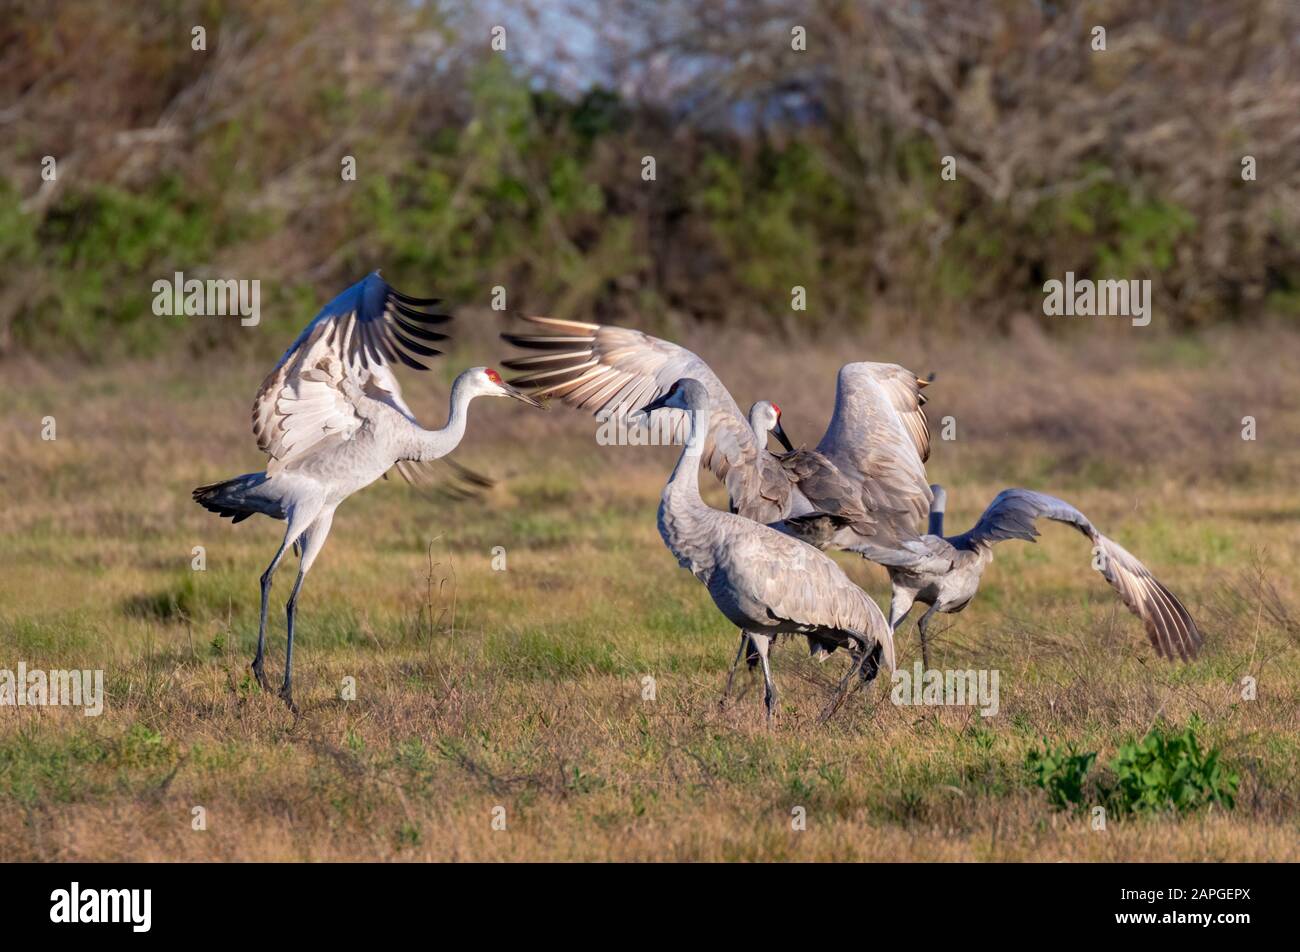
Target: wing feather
column 601, row 367
column 1169, row 625
column 879, row 438
column 356, row 336
column 876, row 445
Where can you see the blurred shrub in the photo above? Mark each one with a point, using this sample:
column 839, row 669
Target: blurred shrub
column 775, row 167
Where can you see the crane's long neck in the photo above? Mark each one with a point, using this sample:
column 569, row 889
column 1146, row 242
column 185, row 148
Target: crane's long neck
column 435, row 444
column 758, row 425
column 683, row 515
column 683, row 489
column 936, row 522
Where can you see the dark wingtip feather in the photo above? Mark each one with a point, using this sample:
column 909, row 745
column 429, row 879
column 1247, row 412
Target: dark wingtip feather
column 414, row 346
column 411, row 361
column 415, row 301
column 546, row 341
column 424, row 317
column 415, row 330
column 511, row 365
column 550, row 378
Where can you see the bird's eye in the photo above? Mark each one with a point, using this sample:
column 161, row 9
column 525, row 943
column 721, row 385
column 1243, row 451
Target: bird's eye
column 493, row 375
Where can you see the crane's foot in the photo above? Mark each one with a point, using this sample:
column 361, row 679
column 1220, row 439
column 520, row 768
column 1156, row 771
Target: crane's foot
column 260, row 674
column 286, row 695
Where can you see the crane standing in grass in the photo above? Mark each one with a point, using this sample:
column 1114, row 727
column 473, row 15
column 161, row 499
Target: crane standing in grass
column 766, row 583
column 332, row 420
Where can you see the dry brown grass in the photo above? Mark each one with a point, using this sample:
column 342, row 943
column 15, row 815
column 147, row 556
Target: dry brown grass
column 532, row 701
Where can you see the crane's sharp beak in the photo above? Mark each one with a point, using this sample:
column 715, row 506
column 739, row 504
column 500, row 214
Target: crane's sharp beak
column 779, row 432
column 522, row 397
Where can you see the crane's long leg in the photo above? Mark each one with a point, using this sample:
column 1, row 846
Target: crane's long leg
column 922, row 626
column 735, row 663
column 750, row 654
column 312, row 541
column 900, row 603
column 261, row 625
column 295, row 528
column 761, row 644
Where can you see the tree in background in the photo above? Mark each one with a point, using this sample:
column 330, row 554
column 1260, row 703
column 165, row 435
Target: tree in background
column 799, row 148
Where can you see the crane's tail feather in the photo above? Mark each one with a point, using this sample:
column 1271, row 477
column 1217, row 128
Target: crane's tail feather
column 237, row 499
column 879, row 651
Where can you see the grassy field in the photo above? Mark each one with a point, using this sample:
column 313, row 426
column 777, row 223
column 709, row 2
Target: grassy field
column 522, row 689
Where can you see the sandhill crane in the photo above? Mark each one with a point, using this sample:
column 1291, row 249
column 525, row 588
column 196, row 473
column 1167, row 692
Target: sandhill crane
column 332, row 420
column 1012, row 515
column 868, row 469
column 764, row 582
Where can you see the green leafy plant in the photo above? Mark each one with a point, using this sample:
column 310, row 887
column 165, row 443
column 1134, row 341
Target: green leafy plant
column 1169, row 771
column 1062, row 771
column 1165, row 770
